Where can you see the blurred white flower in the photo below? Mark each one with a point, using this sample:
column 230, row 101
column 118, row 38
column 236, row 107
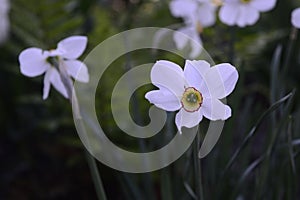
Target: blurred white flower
column 195, row 91
column 244, row 12
column 4, row 20
column 197, row 14
column 35, row 61
column 296, row 17
column 188, row 35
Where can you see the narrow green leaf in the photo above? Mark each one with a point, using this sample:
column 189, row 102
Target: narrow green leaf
column 255, row 127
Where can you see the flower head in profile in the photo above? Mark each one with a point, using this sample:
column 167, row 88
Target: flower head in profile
column 244, row 12
column 4, row 21
column 296, row 18
column 35, row 62
column 197, row 14
column 195, row 91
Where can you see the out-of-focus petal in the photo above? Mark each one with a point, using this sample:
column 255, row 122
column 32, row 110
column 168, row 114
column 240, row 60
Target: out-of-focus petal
column 56, row 81
column 263, row 5
column 46, row 88
column 221, row 80
column 77, row 69
column 187, row 35
column 183, row 8
column 168, row 75
column 196, row 45
column 207, row 14
column 214, row 109
column 72, row 47
column 33, row 62
column 187, row 119
column 181, row 38
column 4, row 20
column 229, row 13
column 296, row 18
column 4, row 28
column 164, row 99
column 247, row 16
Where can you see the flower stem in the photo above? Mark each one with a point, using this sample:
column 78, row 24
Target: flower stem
column 197, row 168
column 290, row 46
column 91, row 160
column 95, row 176
column 231, row 52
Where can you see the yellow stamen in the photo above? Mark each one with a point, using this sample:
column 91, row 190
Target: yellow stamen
column 191, row 99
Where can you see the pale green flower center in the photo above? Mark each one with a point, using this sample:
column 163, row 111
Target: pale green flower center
column 53, row 61
column 245, row 1
column 191, row 99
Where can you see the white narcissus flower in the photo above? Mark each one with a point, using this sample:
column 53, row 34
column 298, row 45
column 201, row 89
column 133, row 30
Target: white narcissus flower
column 197, row 14
column 244, row 12
column 296, row 17
column 35, row 62
column 4, row 20
column 195, row 91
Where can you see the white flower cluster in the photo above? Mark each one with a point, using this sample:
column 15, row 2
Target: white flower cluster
column 198, row 14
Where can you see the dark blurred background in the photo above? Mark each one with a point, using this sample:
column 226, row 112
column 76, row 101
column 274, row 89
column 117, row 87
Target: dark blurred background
column 42, row 156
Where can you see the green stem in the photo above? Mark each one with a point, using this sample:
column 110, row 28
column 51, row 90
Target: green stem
column 95, row 176
column 197, row 168
column 293, row 37
column 166, row 182
column 231, row 52
column 73, row 100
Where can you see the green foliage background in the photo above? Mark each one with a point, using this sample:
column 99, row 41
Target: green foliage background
column 42, row 156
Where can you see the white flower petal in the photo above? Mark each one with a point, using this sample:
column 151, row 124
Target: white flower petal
column 214, row 109
column 221, row 80
column 296, row 18
column 166, row 74
column 164, row 99
column 4, row 6
column 181, row 38
column 46, row 84
column 196, row 45
column 56, row 81
column 207, row 14
column 183, row 8
column 194, row 72
column 188, row 34
column 72, row 47
column 187, row 119
column 77, row 69
column 263, row 5
column 33, row 62
column 229, row 13
column 247, row 16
